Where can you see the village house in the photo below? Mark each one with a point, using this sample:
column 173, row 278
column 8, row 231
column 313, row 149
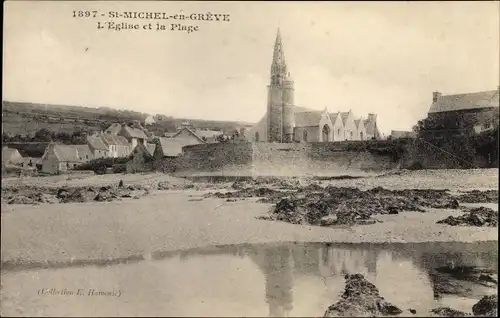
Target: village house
column 133, row 135
column 118, row 146
column 478, row 110
column 187, row 137
column 60, row 158
column 97, row 147
column 84, row 152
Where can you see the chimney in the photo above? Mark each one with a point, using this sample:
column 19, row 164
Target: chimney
column 435, row 96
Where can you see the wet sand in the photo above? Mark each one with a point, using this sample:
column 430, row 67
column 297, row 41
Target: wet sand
column 172, row 220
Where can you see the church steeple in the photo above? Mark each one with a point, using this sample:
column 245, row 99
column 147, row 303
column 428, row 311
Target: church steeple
column 278, row 67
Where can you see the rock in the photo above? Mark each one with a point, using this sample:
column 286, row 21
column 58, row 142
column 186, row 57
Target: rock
column 328, row 220
column 448, row 312
column 476, row 196
column 474, row 217
column 393, row 210
column 412, row 311
column 361, row 298
column 163, row 185
column 487, row 306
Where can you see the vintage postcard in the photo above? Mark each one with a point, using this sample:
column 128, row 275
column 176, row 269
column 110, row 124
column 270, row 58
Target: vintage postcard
column 250, row 159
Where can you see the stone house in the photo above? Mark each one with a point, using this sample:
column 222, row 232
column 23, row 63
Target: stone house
column 59, row 158
column 118, row 146
column 133, row 135
column 97, row 146
column 478, row 111
column 84, row 152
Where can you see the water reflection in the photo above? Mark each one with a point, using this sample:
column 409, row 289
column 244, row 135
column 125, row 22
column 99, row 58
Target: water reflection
column 250, row 280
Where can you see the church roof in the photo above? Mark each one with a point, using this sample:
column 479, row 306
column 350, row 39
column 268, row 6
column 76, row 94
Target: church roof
column 308, row 119
column 344, row 116
column 333, row 117
column 457, row 102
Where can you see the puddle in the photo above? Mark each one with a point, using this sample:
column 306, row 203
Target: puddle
column 245, row 280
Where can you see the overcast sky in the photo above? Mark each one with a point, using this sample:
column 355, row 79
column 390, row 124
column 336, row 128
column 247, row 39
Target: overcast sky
column 386, row 58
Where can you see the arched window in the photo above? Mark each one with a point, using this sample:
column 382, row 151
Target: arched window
column 257, row 137
column 361, row 135
column 304, row 135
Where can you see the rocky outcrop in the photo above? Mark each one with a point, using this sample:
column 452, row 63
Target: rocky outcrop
column 486, row 307
column 361, row 298
column 474, row 217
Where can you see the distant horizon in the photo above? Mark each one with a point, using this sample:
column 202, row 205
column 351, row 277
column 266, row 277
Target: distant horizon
column 385, row 58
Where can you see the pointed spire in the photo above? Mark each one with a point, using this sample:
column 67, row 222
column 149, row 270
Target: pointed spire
column 279, row 64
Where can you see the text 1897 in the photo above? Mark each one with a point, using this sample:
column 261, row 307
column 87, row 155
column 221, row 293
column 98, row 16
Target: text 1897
column 84, row 14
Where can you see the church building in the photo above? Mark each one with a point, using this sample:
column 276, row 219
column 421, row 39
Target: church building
column 286, row 122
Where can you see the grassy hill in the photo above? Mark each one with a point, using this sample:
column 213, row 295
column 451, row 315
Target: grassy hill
column 28, row 118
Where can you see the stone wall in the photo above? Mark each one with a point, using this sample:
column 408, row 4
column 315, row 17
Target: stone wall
column 216, row 159
column 279, row 159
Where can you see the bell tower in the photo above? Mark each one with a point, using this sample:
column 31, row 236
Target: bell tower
column 280, row 101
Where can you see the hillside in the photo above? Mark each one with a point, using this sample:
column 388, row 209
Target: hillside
column 28, row 118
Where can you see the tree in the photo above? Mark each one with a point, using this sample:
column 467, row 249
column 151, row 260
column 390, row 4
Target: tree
column 43, row 135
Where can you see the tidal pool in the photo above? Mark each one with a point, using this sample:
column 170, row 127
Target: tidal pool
column 282, row 279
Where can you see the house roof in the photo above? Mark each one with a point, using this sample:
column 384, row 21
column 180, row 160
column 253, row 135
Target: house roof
column 169, row 134
column 114, row 129
column 170, row 147
column 188, row 130
column 446, row 103
column 151, row 148
column 67, row 153
column 308, row 118
column 96, row 143
column 114, row 140
column 208, row 134
column 10, row 153
column 29, row 149
column 83, row 151
column 135, row 132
